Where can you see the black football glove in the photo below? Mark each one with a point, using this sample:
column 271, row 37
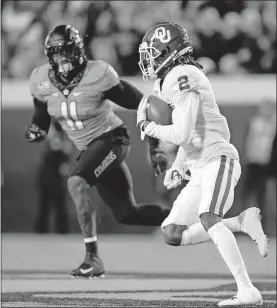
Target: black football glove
column 158, row 161
column 34, row 134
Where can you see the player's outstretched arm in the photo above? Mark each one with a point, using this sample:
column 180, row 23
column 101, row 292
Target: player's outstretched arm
column 124, row 95
column 41, row 120
column 128, row 96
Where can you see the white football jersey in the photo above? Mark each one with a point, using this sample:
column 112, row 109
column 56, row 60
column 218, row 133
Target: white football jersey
column 195, row 114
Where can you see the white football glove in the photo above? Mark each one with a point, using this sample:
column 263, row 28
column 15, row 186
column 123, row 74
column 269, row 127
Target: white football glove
column 141, row 117
column 175, row 175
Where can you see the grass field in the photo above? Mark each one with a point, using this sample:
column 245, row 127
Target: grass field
column 141, row 271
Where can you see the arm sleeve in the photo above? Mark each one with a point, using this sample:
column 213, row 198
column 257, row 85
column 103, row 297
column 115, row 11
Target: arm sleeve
column 183, row 117
column 41, row 116
column 125, row 95
column 35, row 87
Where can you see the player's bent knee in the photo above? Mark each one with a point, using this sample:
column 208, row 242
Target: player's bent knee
column 209, row 219
column 173, row 234
column 76, row 184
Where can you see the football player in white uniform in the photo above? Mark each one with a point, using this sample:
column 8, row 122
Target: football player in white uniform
column 203, row 137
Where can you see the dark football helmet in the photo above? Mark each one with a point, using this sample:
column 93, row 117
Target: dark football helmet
column 161, row 46
column 65, row 51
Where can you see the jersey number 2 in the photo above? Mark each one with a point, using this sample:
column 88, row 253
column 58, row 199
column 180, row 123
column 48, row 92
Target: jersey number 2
column 183, row 83
column 69, row 112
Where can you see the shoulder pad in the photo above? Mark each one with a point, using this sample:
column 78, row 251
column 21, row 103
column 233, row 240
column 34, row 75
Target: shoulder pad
column 39, row 81
column 183, row 78
column 102, row 73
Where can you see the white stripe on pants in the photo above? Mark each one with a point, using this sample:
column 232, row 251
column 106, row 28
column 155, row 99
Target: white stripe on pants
column 211, row 189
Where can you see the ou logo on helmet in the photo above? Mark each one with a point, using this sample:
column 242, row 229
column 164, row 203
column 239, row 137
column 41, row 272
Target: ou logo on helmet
column 163, row 35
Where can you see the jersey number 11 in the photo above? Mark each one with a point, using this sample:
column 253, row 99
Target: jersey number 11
column 69, row 112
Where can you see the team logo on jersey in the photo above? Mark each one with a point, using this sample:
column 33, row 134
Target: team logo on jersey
column 77, row 93
column 163, row 35
column 44, row 85
column 65, row 92
column 105, row 163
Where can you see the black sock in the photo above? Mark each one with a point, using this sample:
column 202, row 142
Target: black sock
column 91, row 247
column 147, row 215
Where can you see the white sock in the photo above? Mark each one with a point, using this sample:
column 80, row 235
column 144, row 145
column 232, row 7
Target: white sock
column 226, row 244
column 90, row 239
column 196, row 233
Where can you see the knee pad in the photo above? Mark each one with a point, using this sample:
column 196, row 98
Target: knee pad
column 173, row 234
column 209, row 219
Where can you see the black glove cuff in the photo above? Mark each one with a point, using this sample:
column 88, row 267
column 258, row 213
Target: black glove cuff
column 142, row 124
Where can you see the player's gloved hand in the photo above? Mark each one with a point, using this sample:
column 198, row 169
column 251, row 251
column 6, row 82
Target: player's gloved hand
column 158, row 161
column 175, row 175
column 142, row 121
column 34, row 134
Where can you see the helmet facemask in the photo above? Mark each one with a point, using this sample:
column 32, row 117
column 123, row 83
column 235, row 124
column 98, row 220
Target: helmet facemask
column 148, row 54
column 64, row 49
column 153, row 61
column 64, row 58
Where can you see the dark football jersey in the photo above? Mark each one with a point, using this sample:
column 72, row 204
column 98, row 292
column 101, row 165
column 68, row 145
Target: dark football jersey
column 83, row 113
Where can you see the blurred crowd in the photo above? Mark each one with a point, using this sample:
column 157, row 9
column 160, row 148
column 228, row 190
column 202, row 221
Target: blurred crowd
column 229, row 36
column 258, row 155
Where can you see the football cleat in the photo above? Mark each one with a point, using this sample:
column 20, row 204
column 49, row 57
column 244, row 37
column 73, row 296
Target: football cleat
column 251, row 224
column 90, row 268
column 247, row 296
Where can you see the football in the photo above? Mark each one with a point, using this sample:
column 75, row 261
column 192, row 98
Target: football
column 158, row 111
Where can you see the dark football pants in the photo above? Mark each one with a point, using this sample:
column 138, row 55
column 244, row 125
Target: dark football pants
column 102, row 165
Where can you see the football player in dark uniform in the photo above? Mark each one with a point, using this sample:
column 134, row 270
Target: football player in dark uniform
column 73, row 90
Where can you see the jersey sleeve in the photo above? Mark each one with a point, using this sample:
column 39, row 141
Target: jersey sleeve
column 37, row 88
column 110, row 77
column 184, row 118
column 182, row 80
column 34, row 86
